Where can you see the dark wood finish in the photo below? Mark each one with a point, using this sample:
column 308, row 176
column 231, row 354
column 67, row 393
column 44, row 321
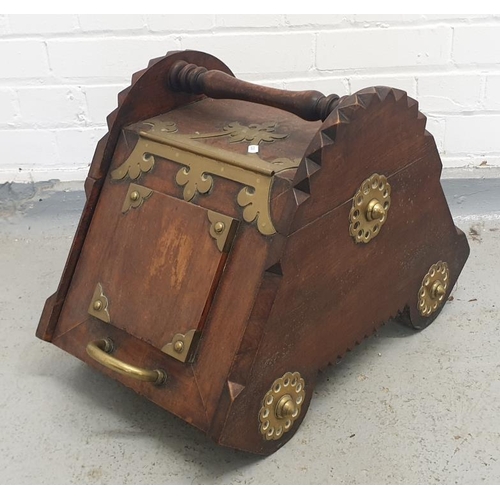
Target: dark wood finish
column 310, row 104
column 146, row 96
column 157, row 247
column 293, row 301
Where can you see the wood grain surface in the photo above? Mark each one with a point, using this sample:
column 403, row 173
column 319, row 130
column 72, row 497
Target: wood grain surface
column 291, row 302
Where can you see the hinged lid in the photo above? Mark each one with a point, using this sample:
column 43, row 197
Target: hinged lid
column 207, row 141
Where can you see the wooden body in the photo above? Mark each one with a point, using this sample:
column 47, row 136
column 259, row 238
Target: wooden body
column 268, row 304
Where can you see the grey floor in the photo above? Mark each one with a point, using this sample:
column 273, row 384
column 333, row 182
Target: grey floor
column 401, row 408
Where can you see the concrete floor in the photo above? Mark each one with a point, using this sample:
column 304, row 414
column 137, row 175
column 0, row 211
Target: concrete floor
column 401, row 408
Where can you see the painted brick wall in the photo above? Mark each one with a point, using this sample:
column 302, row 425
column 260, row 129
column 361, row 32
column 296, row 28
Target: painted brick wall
column 60, row 74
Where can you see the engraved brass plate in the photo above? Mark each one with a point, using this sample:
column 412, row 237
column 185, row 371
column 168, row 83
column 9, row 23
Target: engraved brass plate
column 136, row 196
column 201, row 162
column 370, row 206
column 222, row 229
column 433, row 289
column 281, row 406
column 99, row 305
column 254, row 133
column 180, row 346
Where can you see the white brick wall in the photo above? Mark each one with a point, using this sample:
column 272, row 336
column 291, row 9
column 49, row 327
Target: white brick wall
column 60, row 74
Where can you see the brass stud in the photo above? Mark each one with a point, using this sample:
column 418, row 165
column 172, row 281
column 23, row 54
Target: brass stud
column 135, row 195
column 285, row 407
column 179, row 346
column 97, row 305
column 437, row 290
column 219, row 227
column 375, row 210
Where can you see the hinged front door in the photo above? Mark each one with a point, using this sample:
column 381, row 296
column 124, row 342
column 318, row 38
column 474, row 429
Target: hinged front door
column 162, row 268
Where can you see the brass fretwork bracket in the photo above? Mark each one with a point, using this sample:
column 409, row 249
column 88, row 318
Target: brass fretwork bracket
column 200, row 162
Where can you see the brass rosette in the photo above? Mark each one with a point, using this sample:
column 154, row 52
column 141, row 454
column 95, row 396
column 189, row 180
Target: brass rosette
column 281, row 406
column 369, row 208
column 433, row 290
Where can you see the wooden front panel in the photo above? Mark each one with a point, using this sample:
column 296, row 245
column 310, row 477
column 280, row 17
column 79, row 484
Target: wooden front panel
column 161, row 269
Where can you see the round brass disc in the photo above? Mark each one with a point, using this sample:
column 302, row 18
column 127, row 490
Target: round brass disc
column 433, row 290
column 369, row 208
column 281, row 406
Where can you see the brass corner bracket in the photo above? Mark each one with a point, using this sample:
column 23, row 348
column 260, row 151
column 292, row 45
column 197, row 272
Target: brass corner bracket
column 99, row 305
column 136, row 196
column 222, row 229
column 180, row 346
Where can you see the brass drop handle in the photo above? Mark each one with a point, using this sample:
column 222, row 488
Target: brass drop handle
column 99, row 349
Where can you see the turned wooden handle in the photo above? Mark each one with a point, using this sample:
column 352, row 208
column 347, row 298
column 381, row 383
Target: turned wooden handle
column 310, row 105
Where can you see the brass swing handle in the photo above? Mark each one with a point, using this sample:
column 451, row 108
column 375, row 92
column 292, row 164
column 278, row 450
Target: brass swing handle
column 310, row 105
column 99, row 349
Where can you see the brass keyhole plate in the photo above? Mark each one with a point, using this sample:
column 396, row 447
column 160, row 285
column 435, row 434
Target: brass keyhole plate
column 370, row 207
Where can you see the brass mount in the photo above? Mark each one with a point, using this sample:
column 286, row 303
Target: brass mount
column 98, row 306
column 136, row 196
column 180, row 346
column 222, row 229
column 201, row 164
column 433, row 289
column 370, row 206
column 281, row 406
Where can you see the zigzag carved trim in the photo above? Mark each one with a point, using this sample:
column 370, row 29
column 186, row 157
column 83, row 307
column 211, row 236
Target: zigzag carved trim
column 349, row 108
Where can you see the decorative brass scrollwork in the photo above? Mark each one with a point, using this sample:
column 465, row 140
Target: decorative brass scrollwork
column 202, row 162
column 254, row 133
column 137, row 163
column 194, row 180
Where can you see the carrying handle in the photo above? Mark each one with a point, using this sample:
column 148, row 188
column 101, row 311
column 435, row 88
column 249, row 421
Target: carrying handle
column 309, row 105
column 99, row 349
